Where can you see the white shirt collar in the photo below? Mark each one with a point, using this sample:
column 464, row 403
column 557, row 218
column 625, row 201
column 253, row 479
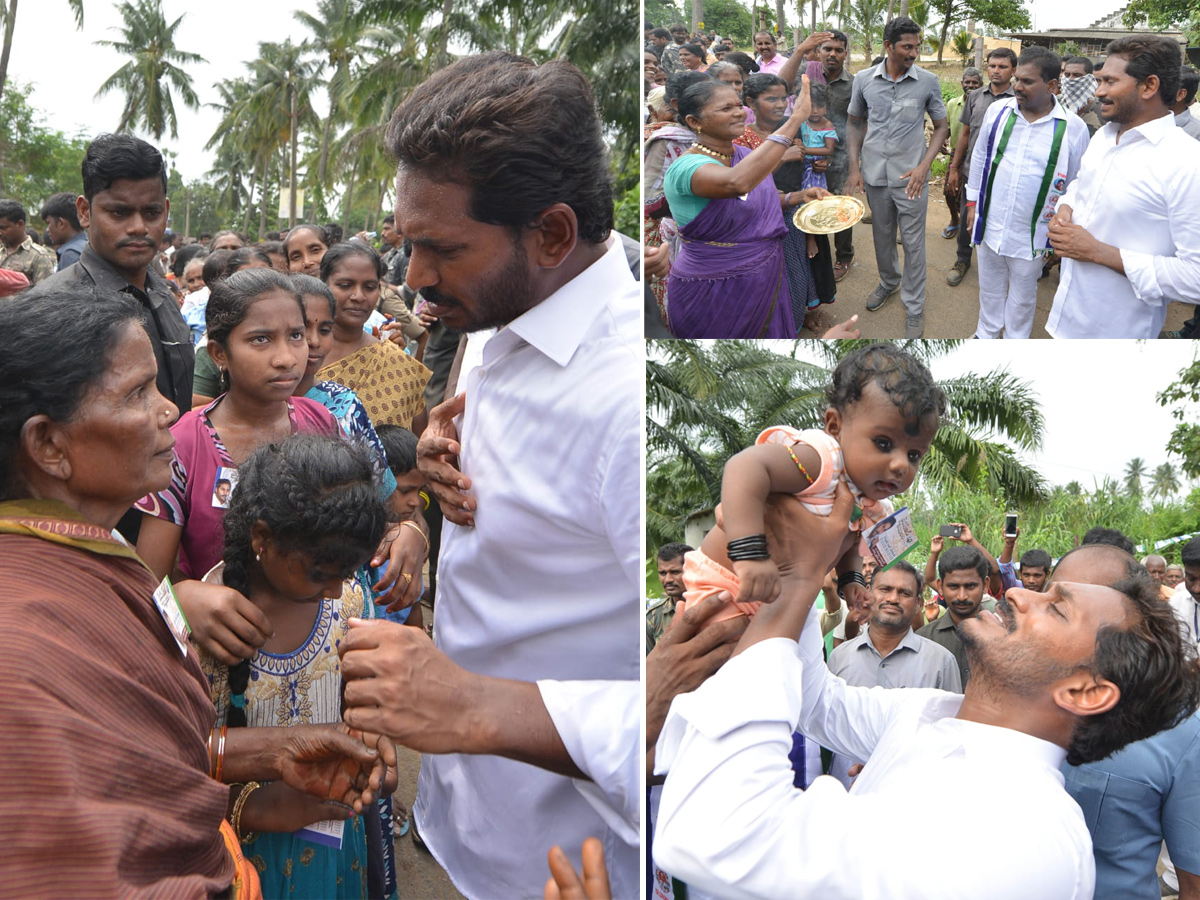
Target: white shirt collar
column 557, row 325
column 1153, row 131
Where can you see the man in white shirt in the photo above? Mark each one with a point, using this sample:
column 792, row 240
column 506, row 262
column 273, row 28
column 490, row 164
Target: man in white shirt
column 1127, row 228
column 1186, row 600
column 527, row 710
column 1029, row 150
column 1047, row 671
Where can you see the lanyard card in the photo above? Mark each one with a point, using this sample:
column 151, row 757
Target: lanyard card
column 892, row 538
column 327, row 833
column 168, row 608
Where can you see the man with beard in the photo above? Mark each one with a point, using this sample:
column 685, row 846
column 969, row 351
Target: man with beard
column 1145, row 794
column 528, row 707
column 889, row 654
column 1031, row 153
column 1126, row 228
column 1075, row 674
column 964, row 572
column 670, row 575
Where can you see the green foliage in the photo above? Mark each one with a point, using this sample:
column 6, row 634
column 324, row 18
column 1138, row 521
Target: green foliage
column 1067, row 49
column 731, row 19
column 664, row 13
column 1005, row 15
column 35, row 161
column 628, row 213
column 1185, row 439
column 1163, row 14
column 963, row 45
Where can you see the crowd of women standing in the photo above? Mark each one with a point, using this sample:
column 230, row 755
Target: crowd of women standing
column 729, row 155
column 206, row 651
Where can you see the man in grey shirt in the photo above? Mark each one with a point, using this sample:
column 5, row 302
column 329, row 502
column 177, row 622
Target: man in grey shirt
column 889, row 654
column 888, row 155
column 1189, row 80
column 1001, row 64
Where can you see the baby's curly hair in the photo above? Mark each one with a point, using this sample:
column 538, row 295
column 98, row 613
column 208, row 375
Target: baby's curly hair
column 900, row 375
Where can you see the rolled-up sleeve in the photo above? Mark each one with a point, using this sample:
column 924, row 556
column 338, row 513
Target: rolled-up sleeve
column 599, row 723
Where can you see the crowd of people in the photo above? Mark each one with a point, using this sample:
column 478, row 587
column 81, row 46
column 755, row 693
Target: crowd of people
column 1046, row 696
column 1039, row 176
column 246, row 465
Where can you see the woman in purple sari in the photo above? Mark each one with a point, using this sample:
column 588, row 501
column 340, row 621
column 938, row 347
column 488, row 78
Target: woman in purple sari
column 728, row 280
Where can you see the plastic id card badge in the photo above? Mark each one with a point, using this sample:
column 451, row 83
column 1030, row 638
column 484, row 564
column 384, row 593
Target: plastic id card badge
column 168, row 608
column 327, row 833
column 892, row 538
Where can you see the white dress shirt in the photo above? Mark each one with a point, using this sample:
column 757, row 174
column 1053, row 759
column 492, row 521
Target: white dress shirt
column 1140, row 195
column 546, row 586
column 1019, row 176
column 1187, row 611
column 731, row 822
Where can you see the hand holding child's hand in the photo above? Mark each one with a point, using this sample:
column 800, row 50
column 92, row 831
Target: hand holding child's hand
column 856, row 596
column 759, row 580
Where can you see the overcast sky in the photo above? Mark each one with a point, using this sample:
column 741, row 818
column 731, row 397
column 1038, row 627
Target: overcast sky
column 66, row 67
column 1097, row 398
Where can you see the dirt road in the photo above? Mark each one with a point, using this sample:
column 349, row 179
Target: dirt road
column 950, row 312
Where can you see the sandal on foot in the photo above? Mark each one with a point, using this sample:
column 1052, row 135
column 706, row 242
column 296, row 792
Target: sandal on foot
column 949, row 231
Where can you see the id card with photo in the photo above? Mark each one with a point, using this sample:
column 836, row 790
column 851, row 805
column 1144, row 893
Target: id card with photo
column 223, row 485
column 168, row 608
column 892, row 538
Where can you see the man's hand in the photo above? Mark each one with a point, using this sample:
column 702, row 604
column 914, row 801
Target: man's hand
column 936, row 545
column 399, row 684
column 952, row 180
column 566, row 883
column 843, row 330
column 405, row 550
column 437, row 460
column 854, row 183
column 657, row 260
column 224, row 624
column 916, row 181
column 969, row 218
column 856, row 597
column 690, row 651
column 1075, row 242
column 333, row 762
column 812, row 42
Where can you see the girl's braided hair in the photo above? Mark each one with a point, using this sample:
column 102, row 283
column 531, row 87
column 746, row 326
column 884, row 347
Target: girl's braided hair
column 316, row 494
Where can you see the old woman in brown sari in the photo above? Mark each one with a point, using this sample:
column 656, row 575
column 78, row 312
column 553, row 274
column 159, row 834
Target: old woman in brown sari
column 113, row 772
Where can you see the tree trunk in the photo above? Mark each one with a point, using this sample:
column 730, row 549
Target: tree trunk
column 697, row 14
column 187, row 215
column 292, row 184
column 904, row 8
column 262, row 211
column 250, row 202
column 779, row 20
column 891, row 6
column 945, row 30
column 325, row 140
column 349, row 194
column 10, row 23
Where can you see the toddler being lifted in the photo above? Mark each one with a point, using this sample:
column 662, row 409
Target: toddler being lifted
column 882, row 416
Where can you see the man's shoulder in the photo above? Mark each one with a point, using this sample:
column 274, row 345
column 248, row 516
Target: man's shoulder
column 937, row 628
column 926, row 644
column 73, row 275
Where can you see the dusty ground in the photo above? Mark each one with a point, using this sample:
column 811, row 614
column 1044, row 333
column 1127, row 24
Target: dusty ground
column 950, row 312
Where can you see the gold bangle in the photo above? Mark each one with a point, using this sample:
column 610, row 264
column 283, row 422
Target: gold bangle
column 236, row 819
column 417, row 528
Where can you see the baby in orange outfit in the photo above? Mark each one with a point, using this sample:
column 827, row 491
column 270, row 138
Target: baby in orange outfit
column 882, row 416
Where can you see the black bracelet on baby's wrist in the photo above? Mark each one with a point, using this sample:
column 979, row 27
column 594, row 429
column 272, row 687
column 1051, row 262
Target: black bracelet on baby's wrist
column 752, row 547
column 849, row 578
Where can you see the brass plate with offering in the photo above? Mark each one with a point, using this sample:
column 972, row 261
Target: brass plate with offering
column 829, row 215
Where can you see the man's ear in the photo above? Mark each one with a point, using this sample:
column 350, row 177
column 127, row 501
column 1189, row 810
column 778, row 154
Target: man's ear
column 556, row 234
column 1083, row 694
column 83, row 210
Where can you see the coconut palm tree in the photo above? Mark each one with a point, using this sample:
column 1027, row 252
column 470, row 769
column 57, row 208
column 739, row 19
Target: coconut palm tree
column 148, row 78
column 865, row 23
column 706, row 403
column 8, row 18
column 1135, row 471
column 1165, row 483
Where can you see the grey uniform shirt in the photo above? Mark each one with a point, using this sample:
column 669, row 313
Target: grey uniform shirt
column 975, row 105
column 915, row 663
column 170, row 337
column 895, row 113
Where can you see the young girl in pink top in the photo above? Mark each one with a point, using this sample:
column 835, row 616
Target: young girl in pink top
column 256, row 337
column 882, row 416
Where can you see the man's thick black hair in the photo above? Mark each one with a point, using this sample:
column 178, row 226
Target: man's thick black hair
column 112, row 157
column 668, row 552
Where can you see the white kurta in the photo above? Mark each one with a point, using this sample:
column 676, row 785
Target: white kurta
column 546, row 586
column 731, row 822
column 1140, row 195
